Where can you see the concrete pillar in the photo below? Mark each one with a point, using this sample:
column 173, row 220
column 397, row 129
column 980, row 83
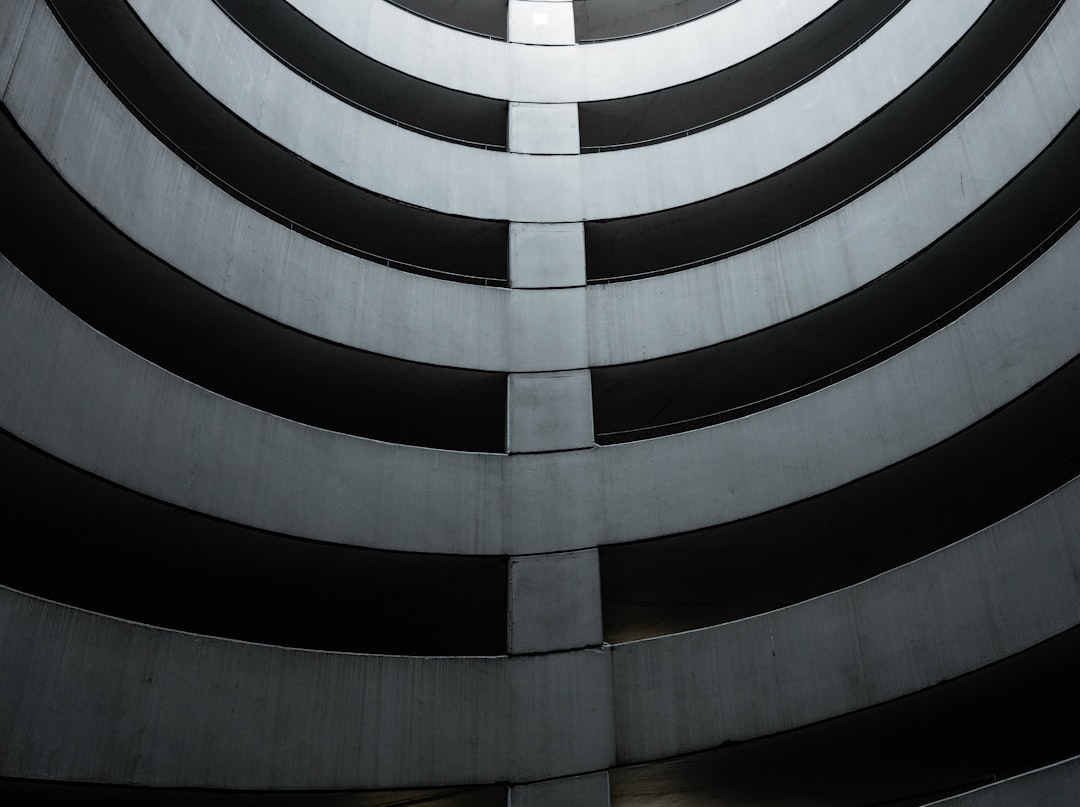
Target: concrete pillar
column 590, row 790
column 554, row 602
column 549, row 411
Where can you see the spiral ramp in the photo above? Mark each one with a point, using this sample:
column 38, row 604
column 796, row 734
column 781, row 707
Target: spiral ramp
column 553, row 402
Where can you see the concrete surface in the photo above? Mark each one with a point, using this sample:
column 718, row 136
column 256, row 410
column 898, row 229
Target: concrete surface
column 543, row 128
column 986, row 597
column 547, row 255
column 1053, row 784
column 561, row 74
column 457, row 179
column 548, row 411
column 590, row 790
column 554, row 602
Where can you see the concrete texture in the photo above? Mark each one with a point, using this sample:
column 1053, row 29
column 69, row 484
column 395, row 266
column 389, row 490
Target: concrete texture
column 994, row 594
column 554, row 602
column 163, row 708
column 548, row 411
column 578, row 791
column 547, row 255
column 456, row 179
column 243, row 465
column 543, row 128
column 561, row 74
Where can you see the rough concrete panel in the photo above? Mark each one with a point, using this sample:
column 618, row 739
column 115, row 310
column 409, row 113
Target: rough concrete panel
column 549, row 411
column 909, row 402
column 576, row 791
column 115, row 415
column 458, row 179
column 561, row 714
column 963, row 607
column 95, row 699
column 540, row 23
column 649, row 317
column 167, row 207
column 543, row 128
column 1052, row 785
column 14, row 18
column 547, row 255
column 518, row 72
column 554, row 602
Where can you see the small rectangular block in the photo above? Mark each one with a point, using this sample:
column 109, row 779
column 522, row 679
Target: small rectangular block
column 554, row 602
column 547, row 256
column 543, row 128
column 534, row 22
column 549, row 411
column 590, row 790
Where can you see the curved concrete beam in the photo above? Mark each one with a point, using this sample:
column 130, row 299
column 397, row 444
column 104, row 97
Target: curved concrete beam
column 451, row 178
column 110, row 701
column 114, row 414
column 178, row 215
column 560, row 74
column 1054, row 784
column 984, row 598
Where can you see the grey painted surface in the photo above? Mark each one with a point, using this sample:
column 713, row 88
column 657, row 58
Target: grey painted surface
column 560, row 74
column 549, row 411
column 457, row 179
column 981, row 599
column 103, row 700
column 532, row 22
column 1051, row 785
column 578, row 791
column 118, row 416
column 543, row 128
column 547, row 255
column 554, row 602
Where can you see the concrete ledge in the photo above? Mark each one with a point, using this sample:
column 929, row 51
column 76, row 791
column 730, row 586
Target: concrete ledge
column 650, row 317
column 563, row 74
column 115, row 415
column 982, row 599
column 1054, row 784
column 457, row 179
column 108, row 701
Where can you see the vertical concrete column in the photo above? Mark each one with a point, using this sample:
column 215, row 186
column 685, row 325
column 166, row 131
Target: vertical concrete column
column 554, row 600
column 590, row 790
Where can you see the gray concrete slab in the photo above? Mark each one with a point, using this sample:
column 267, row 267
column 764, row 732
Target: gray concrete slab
column 565, row 74
column 547, row 255
column 590, row 790
column 994, row 594
column 109, row 701
column 548, row 411
column 554, row 602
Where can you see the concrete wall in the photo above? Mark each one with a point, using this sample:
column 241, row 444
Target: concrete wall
column 560, row 74
column 201, row 230
column 165, row 708
column 524, row 187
